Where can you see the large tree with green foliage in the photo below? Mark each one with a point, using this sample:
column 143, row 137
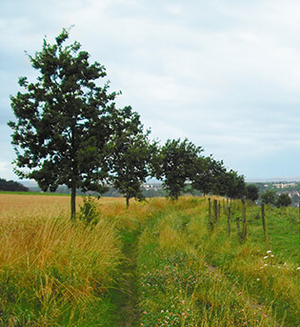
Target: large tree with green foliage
column 252, row 192
column 283, row 200
column 12, row 186
column 63, row 120
column 268, row 197
column 176, row 159
column 236, row 186
column 130, row 155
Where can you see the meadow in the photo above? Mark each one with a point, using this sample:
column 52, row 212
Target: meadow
column 157, row 263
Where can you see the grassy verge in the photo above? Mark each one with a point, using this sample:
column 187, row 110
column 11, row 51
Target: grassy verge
column 179, row 286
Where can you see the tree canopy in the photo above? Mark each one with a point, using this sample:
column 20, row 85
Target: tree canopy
column 176, row 159
column 130, row 155
column 68, row 131
column 64, row 120
column 12, row 186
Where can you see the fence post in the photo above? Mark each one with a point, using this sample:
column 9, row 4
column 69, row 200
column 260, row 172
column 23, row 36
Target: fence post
column 238, row 227
column 244, row 220
column 299, row 222
column 209, row 214
column 216, row 211
column 229, row 221
column 264, row 222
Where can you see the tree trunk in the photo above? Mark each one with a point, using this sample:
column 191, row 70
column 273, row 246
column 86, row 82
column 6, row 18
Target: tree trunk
column 73, row 202
column 127, row 202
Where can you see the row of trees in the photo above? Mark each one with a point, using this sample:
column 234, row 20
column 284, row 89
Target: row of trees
column 12, row 186
column 69, row 131
column 270, row 197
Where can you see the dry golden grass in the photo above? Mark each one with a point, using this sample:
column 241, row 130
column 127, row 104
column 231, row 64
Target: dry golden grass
column 49, row 259
column 16, row 204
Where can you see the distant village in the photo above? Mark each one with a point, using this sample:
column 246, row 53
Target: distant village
column 291, row 188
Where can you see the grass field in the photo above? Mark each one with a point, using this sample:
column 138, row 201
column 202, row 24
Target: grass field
column 155, row 264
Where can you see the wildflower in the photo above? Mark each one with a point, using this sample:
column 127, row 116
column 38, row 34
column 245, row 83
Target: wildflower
column 258, row 279
column 298, row 268
column 266, row 257
column 240, row 293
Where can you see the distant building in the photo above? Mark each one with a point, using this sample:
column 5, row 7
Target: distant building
column 285, row 185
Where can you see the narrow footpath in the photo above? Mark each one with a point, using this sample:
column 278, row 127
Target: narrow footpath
column 127, row 296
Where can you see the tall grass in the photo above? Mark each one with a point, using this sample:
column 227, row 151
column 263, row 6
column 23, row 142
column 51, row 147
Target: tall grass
column 57, row 273
column 191, row 276
column 52, row 271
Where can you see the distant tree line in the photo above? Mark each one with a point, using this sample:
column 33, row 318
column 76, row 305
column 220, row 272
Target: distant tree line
column 12, row 186
column 69, row 131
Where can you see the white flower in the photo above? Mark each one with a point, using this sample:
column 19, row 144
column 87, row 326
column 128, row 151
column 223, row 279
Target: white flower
column 298, row 268
column 269, row 251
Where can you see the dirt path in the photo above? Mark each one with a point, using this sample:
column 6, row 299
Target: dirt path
column 127, row 296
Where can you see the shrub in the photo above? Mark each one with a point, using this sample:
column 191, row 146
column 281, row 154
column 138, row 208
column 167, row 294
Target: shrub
column 284, row 200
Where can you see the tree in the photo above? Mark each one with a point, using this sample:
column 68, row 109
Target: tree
column 202, row 175
column 284, row 200
column 269, row 197
column 252, row 192
column 176, row 159
column 236, row 187
column 131, row 154
column 12, row 186
column 218, row 177
column 64, row 121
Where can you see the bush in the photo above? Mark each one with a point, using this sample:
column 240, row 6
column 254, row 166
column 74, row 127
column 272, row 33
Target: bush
column 88, row 211
column 269, row 197
column 284, row 200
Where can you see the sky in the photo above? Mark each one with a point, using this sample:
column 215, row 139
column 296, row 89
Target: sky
column 224, row 74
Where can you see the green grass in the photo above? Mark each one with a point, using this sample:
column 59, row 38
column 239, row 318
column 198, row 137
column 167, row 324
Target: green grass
column 155, row 264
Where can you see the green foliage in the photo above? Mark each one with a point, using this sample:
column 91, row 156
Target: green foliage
column 68, row 131
column 12, row 186
column 284, row 200
column 235, row 185
column 176, row 160
column 252, row 192
column 269, row 197
column 210, row 176
column 130, row 155
column 67, row 126
column 89, row 211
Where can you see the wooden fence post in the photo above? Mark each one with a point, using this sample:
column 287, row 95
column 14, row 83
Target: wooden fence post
column 229, row 221
column 216, row 211
column 210, row 223
column 264, row 222
column 238, row 226
column 244, row 235
column 299, row 222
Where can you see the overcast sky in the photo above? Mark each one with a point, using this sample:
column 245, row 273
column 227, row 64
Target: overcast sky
column 224, row 74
